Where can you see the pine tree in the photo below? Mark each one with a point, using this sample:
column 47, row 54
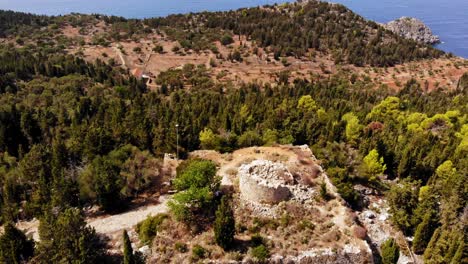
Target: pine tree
column 14, row 246
column 65, row 238
column 373, row 165
column 224, row 226
column 127, row 249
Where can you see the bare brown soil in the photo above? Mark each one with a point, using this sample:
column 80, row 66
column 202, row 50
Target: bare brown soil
column 258, row 64
column 261, row 67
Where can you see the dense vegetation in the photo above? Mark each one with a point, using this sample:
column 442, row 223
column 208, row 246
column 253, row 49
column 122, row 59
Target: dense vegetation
column 74, row 133
column 295, row 29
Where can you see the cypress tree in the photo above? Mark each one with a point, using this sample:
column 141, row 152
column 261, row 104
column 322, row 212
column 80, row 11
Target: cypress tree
column 127, row 250
column 460, row 254
column 390, row 252
column 424, row 232
column 224, row 226
column 428, row 253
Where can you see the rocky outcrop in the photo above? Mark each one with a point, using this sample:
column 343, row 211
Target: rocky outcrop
column 412, row 28
column 348, row 255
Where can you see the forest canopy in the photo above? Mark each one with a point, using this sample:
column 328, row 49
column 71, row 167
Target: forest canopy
column 75, row 133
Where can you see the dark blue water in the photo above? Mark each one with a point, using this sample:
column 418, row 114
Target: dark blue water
column 446, row 18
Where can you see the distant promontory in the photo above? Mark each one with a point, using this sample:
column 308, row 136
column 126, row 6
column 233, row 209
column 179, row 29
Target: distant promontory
column 412, row 28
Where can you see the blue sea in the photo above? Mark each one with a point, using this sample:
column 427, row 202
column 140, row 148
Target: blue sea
column 448, row 19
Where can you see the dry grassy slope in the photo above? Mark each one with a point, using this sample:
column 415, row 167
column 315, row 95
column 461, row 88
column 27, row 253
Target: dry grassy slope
column 258, row 67
column 261, row 67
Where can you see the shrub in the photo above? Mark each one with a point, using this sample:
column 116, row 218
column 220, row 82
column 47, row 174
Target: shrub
column 235, row 56
column 390, row 252
column 260, row 253
column 147, row 229
column 181, row 247
column 198, row 252
column 257, row 240
column 226, row 40
column 323, row 191
column 158, row 49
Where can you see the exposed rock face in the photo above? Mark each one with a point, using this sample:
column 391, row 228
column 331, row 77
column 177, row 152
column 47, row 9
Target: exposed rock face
column 412, row 28
column 348, row 255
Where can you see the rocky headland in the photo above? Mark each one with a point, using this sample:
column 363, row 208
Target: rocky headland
column 412, row 28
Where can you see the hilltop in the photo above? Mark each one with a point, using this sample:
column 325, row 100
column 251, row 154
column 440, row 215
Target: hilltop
column 295, row 132
column 241, row 52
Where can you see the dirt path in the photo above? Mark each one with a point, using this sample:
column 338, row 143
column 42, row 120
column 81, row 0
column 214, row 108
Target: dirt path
column 116, row 223
column 121, row 56
column 108, row 225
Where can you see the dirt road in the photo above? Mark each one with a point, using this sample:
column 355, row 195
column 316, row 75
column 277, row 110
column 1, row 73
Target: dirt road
column 108, row 225
column 117, row 223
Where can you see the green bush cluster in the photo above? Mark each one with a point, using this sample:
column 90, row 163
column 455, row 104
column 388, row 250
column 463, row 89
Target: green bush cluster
column 148, row 228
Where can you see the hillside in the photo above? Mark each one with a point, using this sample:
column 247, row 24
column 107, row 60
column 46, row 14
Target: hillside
column 295, row 132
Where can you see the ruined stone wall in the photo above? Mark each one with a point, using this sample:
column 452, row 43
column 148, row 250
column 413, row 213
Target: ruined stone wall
column 263, row 181
column 253, row 191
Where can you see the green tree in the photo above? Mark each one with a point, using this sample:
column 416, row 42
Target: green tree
column 195, row 173
column 209, row 140
column 390, row 251
column 270, row 137
column 65, row 238
column 373, row 165
column 15, row 248
column 353, row 127
column 224, row 225
column 127, row 249
column 424, row 231
column 108, row 183
column 196, row 182
column 188, row 204
column 388, row 109
column 249, row 139
column 306, row 103
column 403, row 200
column 461, row 253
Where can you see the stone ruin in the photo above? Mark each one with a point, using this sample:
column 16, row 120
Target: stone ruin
column 264, row 181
